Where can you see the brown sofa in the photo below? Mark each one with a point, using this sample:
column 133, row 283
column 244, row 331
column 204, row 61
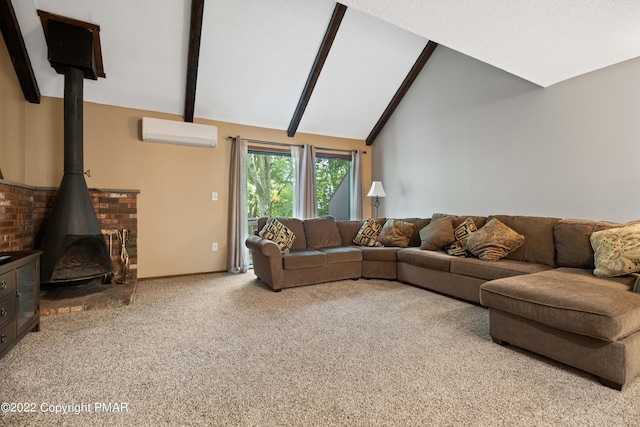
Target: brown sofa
column 542, row 297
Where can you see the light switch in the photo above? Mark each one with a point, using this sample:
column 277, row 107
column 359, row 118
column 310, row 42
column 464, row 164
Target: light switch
column 214, row 196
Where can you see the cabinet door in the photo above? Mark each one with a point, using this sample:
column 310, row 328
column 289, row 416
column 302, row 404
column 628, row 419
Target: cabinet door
column 27, row 298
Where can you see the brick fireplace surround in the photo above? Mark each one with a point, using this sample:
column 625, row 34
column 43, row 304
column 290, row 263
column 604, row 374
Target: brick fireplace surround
column 23, row 216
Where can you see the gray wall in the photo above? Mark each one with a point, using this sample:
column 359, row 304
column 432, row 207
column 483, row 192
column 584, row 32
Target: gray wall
column 469, row 138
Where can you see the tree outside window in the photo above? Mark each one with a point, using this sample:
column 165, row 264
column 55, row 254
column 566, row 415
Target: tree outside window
column 270, row 185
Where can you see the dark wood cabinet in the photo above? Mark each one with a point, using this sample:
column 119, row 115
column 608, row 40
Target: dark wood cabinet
column 19, row 297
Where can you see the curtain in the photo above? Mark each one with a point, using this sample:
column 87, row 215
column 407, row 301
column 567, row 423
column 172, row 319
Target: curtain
column 304, row 181
column 355, row 186
column 238, row 217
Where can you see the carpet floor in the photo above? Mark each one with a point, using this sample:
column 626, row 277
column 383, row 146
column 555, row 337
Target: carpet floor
column 223, row 350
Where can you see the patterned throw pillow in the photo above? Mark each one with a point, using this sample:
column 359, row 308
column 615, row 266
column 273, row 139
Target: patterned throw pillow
column 460, row 232
column 493, row 241
column 368, row 233
column 279, row 234
column 616, row 251
column 396, row 233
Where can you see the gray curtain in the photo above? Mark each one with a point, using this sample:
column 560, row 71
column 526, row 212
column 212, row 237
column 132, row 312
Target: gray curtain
column 304, row 181
column 355, row 186
column 238, row 259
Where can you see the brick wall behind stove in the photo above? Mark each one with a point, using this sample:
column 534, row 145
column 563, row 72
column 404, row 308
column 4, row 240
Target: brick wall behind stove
column 16, row 218
column 24, row 212
column 117, row 212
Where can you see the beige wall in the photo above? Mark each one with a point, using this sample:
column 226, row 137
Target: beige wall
column 177, row 220
column 12, row 120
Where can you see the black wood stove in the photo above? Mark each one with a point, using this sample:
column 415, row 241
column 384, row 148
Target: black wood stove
column 73, row 246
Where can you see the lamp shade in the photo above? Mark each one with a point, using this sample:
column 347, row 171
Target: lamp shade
column 377, row 190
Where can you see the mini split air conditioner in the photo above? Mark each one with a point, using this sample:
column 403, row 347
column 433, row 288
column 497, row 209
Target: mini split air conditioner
column 182, row 133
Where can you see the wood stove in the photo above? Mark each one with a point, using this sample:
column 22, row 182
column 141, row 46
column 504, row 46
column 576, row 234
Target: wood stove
column 73, row 246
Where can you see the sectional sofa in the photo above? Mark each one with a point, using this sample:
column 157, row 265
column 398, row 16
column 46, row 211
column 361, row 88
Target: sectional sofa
column 542, row 296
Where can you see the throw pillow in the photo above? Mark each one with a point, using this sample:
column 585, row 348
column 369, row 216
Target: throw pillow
column 368, row 233
column 396, row 233
column 279, row 234
column 460, row 232
column 616, row 251
column 493, row 241
column 437, row 234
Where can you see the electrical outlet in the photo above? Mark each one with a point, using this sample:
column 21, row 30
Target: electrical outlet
column 214, row 196
column 214, row 246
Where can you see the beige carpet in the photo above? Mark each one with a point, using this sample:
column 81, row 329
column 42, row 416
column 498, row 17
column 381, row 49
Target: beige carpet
column 223, row 350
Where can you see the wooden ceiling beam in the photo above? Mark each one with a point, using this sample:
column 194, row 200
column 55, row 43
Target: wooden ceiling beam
column 18, row 52
column 402, row 90
column 195, row 34
column 321, row 56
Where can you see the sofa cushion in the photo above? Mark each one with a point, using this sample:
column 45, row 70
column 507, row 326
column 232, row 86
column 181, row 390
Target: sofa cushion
column 293, row 224
column 322, row 232
column 462, row 231
column 539, row 244
column 566, row 302
column 368, row 233
column 396, row 233
column 437, row 234
column 303, row 259
column 493, row 241
column 342, row 254
column 279, row 234
column 434, row 260
column 348, row 231
column 479, row 269
column 624, row 283
column 617, row 251
column 573, row 248
column 384, row 254
column 418, row 224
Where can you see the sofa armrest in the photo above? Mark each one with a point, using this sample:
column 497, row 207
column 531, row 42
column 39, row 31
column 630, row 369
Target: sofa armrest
column 263, row 246
column 267, row 261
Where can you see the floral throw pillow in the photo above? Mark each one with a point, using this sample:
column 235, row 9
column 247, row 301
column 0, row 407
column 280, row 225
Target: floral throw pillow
column 616, row 251
column 493, row 241
column 396, row 233
column 279, row 234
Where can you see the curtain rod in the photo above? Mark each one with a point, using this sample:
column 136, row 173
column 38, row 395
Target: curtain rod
column 284, row 144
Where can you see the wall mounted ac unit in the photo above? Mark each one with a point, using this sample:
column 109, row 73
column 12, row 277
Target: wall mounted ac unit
column 182, row 133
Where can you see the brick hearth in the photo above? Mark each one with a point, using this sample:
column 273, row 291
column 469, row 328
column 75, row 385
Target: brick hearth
column 23, row 216
column 90, row 296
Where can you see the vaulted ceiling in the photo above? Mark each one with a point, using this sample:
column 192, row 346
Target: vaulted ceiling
column 256, row 55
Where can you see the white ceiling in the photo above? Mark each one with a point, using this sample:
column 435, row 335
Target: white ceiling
column 255, row 55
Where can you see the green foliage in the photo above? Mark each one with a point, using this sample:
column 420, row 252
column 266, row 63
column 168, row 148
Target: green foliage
column 270, row 188
column 269, row 185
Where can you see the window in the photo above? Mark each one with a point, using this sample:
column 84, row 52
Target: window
column 270, row 185
column 332, row 186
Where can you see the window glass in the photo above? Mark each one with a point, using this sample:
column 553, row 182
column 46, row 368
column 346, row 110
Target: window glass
column 332, row 186
column 270, row 185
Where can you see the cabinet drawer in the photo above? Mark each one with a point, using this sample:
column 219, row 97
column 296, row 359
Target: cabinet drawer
column 7, row 309
column 7, row 284
column 7, row 336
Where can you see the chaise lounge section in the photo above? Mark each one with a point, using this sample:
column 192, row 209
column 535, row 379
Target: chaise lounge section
column 541, row 296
